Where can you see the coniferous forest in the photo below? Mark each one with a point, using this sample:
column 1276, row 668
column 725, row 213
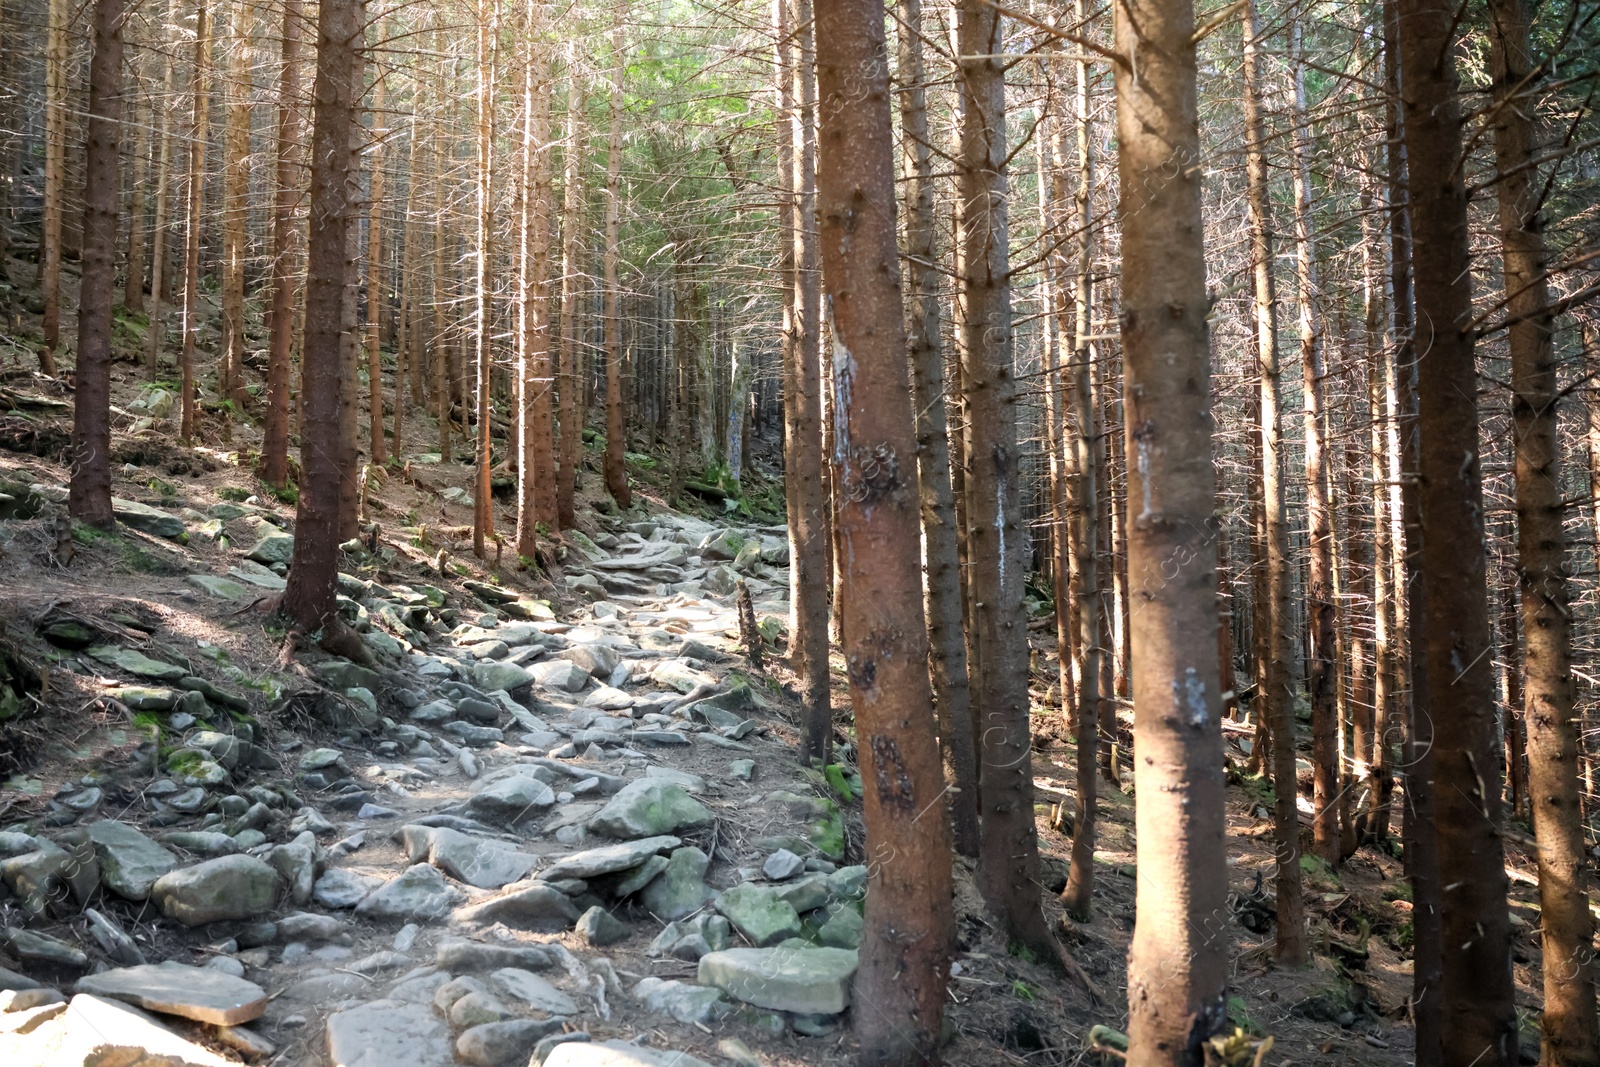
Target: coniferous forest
column 807, row 532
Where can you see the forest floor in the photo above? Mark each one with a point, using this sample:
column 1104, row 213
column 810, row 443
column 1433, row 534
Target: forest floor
column 511, row 713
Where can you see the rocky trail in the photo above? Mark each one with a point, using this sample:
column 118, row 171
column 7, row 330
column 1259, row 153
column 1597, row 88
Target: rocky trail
column 575, row 837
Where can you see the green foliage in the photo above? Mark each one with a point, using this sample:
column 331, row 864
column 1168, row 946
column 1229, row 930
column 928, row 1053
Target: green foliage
column 1239, row 1016
column 828, row 835
column 1022, row 952
column 85, row 534
column 167, row 490
column 234, row 494
column 289, row 493
column 1022, row 991
column 844, row 783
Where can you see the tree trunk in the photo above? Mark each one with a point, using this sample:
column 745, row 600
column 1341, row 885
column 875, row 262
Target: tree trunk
column 89, row 493
column 335, row 192
column 616, row 426
column 1178, row 962
column 947, row 658
column 1275, row 696
column 488, row 60
column 536, row 488
column 133, row 284
column 275, row 434
column 158, row 227
column 572, row 227
column 199, row 129
column 1479, row 1020
column 909, row 927
column 55, row 154
column 375, row 287
column 235, row 204
column 1570, row 1028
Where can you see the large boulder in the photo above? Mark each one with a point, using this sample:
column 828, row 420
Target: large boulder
column 511, row 800
column 420, row 894
column 759, row 913
column 130, row 863
column 806, row 980
column 648, row 807
column 467, row 859
column 146, row 519
column 609, row 859
column 226, row 888
column 681, row 888
column 273, row 546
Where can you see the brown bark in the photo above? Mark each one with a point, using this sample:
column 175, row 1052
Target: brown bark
column 909, row 927
column 55, row 153
column 483, row 350
column 89, row 492
column 1479, row 1021
column 159, row 283
column 194, row 201
column 275, row 434
column 536, row 493
column 1275, row 696
column 334, row 195
column 133, row 284
column 235, row 202
column 1570, row 1028
column 1177, row 964
column 570, row 412
column 375, row 286
column 947, row 650
column 616, row 426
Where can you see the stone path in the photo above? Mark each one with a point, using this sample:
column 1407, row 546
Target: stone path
column 538, row 839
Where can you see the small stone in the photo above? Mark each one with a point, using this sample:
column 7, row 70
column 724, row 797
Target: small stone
column 680, row 889
column 41, row 950
column 562, row 676
column 466, row 859
column 494, row 674
column 476, row 1009
column 529, row 989
column 810, row 1024
column 640, row 877
column 510, row 1043
column 743, row 770
column 760, row 914
column 146, row 519
column 201, row 993
column 688, row 1004
column 137, row 663
column 339, row 888
column 600, row 928
column 842, row 928
column 95, row 1030
column 782, row 864
column 419, row 894
column 689, row 939
column 459, row 954
column 609, row 859
column 144, row 698
column 649, row 806
column 273, row 546
column 537, row 907
column 406, row 937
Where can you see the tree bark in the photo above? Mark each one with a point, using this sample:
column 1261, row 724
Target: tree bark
column 55, row 154
column 158, row 227
column 275, row 434
column 947, row 659
column 199, row 129
column 1275, row 696
column 1479, row 1021
column 89, row 492
column 133, row 283
column 909, row 916
column 488, row 60
column 616, row 426
column 1177, row 964
column 375, row 287
column 536, row 482
column 235, row 202
column 1570, row 1028
column 572, row 226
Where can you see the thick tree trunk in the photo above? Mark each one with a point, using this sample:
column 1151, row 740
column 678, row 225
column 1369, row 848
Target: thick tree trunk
column 947, row 652
column 335, row 193
column 572, row 227
column 1571, row 1030
column 616, row 425
column 194, row 200
column 1275, row 696
column 1480, row 1023
column 909, row 917
column 89, row 493
column 1008, row 850
column 1178, row 962
column 536, row 485
column 280, row 337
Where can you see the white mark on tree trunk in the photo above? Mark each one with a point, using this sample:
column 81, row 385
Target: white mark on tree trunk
column 1190, row 697
column 844, row 372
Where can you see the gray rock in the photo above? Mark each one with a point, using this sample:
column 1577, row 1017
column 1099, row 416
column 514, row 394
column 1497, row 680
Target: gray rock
column 39, row 876
column 472, row 734
column 743, row 770
column 600, row 928
column 692, row 783
column 136, row 663
column 309, row 926
column 688, row 1004
column 561, row 676
column 609, row 859
column 647, row 807
column 221, row 588
column 113, row 939
column 760, row 914
column 782, row 864
column 199, row 993
column 525, row 987
column 36, row 950
column 680, row 889
column 596, row 659
column 617, row 1054
column 201, row 842
column 607, row 698
column 130, row 862
column 749, row 557
column 94, row 1032
column 476, row 1009
column 722, row 545
column 296, row 864
column 146, row 519
column 813, row 980
column 459, row 954
column 474, row 862
column 510, row 801
column 841, row 928
column 480, row 711
column 804, row 894
column 230, row 887
column 342, row 674
column 503, row 1044
column 640, row 877
column 418, row 895
column 273, row 546
column 388, row 1032
column 144, row 698
column 689, row 939
column 848, row 883
column 536, row 907
column 493, row 675
column 339, row 888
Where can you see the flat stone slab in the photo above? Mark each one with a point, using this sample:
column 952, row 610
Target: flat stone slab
column 137, row 663
column 609, row 859
column 201, row 993
column 94, row 1032
column 130, row 862
column 617, row 1054
column 221, row 588
column 810, row 980
column 473, row 861
column 388, row 1033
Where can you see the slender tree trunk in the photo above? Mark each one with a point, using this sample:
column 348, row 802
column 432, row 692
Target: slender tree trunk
column 199, row 129
column 947, row 658
column 616, row 427
column 375, row 287
column 1178, row 962
column 408, row 346
column 909, row 918
column 159, row 283
column 89, row 493
column 275, row 434
column 572, row 226
column 488, row 60
column 55, row 154
column 133, row 282
column 1511, row 724
column 235, row 203
column 1571, row 1030
column 439, row 348
column 335, row 193
column 1480, row 1024
column 536, row 488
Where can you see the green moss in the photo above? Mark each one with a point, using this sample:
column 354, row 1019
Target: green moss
column 234, row 494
